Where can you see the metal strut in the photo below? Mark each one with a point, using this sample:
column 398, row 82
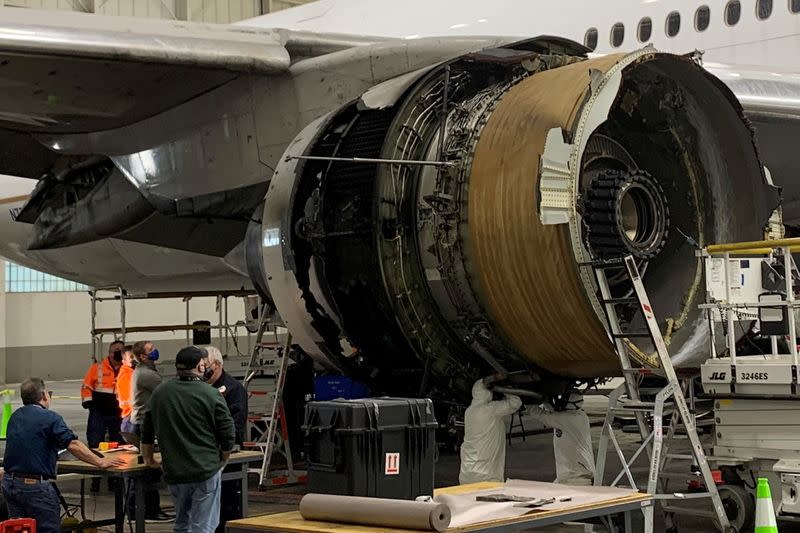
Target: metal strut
column 653, row 440
column 372, row 160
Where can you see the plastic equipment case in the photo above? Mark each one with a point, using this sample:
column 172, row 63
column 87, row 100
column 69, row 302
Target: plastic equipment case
column 380, row 447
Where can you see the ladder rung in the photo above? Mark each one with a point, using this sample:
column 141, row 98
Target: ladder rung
column 633, row 404
column 637, row 371
column 682, row 496
column 684, row 456
column 677, row 509
column 604, row 265
column 636, row 335
column 619, row 301
column 679, row 475
column 259, row 418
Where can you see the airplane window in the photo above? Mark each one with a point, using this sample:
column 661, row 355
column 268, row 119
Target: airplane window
column 590, row 39
column 702, row 18
column 733, row 12
column 645, row 29
column 673, row 24
column 617, row 34
column 763, row 9
column 794, row 6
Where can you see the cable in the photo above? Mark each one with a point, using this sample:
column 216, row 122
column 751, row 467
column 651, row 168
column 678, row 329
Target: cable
column 747, row 336
column 233, row 334
column 753, row 477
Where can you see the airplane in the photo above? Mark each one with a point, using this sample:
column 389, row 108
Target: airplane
column 153, row 145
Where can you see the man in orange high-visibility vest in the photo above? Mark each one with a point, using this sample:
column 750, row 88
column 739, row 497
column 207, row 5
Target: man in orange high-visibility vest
column 98, row 395
column 125, row 390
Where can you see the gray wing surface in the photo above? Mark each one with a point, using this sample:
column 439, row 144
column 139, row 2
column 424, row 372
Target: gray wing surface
column 771, row 100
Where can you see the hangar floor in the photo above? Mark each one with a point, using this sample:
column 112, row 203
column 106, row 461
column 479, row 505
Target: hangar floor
column 531, row 459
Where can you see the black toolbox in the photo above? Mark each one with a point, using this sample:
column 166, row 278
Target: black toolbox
column 379, row 447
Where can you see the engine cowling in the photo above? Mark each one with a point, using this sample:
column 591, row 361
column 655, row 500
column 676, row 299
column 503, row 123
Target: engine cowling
column 500, row 173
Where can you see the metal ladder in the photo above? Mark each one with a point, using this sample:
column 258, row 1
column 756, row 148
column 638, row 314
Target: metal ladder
column 654, row 440
column 273, row 437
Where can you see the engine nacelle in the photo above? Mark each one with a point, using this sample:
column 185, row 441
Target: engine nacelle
column 458, row 253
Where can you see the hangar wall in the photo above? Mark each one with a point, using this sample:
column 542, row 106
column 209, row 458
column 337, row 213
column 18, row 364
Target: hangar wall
column 47, row 334
column 218, row 11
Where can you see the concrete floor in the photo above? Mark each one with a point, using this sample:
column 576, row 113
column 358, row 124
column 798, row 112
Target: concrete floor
column 531, row 459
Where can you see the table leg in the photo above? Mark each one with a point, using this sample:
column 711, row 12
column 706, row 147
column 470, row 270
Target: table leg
column 243, row 485
column 83, row 498
column 628, row 522
column 139, row 483
column 119, row 511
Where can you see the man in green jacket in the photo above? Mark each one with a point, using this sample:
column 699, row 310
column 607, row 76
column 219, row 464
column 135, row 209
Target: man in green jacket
column 196, row 435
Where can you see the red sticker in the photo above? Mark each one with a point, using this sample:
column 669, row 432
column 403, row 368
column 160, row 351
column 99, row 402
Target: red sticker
column 392, row 464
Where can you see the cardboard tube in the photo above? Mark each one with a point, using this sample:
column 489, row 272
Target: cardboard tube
column 424, row 516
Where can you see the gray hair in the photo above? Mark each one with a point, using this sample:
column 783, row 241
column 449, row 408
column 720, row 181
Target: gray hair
column 32, row 390
column 214, row 355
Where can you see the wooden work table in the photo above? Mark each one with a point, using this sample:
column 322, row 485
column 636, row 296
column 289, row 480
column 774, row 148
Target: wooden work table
column 292, row 522
column 236, row 470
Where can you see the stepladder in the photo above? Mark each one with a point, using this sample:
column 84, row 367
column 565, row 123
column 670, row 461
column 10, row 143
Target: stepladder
column 267, row 424
column 658, row 438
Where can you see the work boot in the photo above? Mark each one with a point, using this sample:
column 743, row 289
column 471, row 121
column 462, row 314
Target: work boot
column 158, row 517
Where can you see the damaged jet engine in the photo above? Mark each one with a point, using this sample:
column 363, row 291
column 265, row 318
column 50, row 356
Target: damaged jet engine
column 437, row 229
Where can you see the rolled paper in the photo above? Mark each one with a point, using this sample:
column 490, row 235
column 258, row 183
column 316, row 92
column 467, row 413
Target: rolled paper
column 381, row 512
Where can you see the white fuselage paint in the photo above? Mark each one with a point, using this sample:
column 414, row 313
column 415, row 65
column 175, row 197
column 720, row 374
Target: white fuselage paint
column 771, row 43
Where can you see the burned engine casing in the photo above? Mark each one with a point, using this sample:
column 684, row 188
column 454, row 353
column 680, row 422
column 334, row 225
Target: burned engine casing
column 459, row 252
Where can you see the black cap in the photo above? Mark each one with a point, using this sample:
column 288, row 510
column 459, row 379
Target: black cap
column 189, row 357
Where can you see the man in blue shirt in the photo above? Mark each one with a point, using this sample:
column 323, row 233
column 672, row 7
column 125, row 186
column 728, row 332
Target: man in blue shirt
column 34, row 437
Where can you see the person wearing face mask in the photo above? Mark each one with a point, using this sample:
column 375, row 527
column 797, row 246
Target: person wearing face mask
column 145, row 381
column 572, row 440
column 34, row 437
column 236, row 398
column 231, row 389
column 196, row 435
column 483, row 453
column 98, row 395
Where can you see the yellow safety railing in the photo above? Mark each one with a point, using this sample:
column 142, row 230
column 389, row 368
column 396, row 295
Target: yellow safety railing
column 755, row 247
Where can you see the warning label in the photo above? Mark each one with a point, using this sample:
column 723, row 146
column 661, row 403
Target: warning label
column 392, row 464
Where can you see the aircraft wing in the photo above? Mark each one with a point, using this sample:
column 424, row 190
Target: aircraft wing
column 73, row 72
column 771, row 100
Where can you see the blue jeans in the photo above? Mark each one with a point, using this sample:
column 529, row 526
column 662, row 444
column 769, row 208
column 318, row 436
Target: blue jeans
column 37, row 500
column 126, row 426
column 197, row 505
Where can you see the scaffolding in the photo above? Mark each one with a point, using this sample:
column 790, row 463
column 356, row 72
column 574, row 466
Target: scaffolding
column 227, row 331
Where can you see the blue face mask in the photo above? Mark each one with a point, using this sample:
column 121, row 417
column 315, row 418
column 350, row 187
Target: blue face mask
column 153, row 356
